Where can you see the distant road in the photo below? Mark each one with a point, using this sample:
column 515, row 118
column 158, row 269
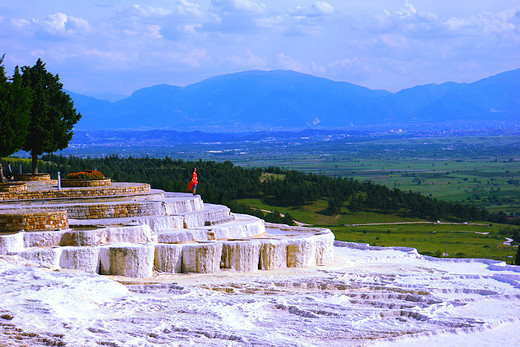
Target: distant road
column 420, row 222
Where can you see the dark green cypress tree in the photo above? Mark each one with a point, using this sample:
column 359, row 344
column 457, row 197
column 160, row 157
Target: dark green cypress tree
column 52, row 114
column 15, row 103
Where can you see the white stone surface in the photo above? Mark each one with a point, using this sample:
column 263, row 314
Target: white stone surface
column 273, row 254
column 301, row 252
column 184, row 235
column 369, row 296
column 168, row 258
column 211, row 236
column 212, row 214
column 241, row 255
column 128, row 260
column 243, row 226
column 43, row 238
column 47, row 256
column 80, row 258
column 175, row 203
column 93, row 237
column 10, row 243
column 201, row 257
column 324, row 247
column 130, row 234
column 162, row 223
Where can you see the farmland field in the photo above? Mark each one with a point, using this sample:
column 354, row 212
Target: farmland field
column 484, row 171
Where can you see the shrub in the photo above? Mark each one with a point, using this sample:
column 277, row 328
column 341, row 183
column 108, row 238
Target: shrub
column 88, row 174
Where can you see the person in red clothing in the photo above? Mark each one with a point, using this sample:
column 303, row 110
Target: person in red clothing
column 193, row 184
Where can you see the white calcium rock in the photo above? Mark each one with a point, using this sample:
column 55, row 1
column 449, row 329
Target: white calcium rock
column 174, row 236
column 128, row 260
column 161, row 223
column 301, row 252
column 241, row 255
column 273, row 254
column 130, row 234
column 172, row 206
column 324, row 247
column 203, row 257
column 47, row 256
column 194, row 220
column 80, row 258
column 94, row 237
column 243, row 227
column 43, row 238
column 11, row 243
column 168, row 258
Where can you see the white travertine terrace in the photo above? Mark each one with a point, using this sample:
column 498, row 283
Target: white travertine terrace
column 147, row 233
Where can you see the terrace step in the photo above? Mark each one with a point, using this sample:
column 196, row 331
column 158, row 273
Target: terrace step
column 136, row 232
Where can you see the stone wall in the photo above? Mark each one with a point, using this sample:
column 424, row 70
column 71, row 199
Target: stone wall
column 13, row 187
column 33, row 220
column 100, row 211
column 31, row 177
column 76, row 193
column 103, row 182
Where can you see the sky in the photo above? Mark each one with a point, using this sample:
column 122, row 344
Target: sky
column 117, row 47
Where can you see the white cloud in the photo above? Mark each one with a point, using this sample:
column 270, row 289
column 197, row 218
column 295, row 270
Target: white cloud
column 395, row 40
column 247, row 60
column 234, row 6
column 234, row 17
column 316, row 9
column 136, row 11
column 187, row 8
column 408, row 19
column 192, row 58
column 505, row 22
column 321, row 9
column 61, row 24
column 154, row 31
column 289, row 63
column 306, row 21
column 20, row 23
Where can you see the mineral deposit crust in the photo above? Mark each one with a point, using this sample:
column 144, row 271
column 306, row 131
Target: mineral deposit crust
column 133, row 231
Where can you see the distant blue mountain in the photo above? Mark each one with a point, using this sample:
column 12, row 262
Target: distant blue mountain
column 287, row 100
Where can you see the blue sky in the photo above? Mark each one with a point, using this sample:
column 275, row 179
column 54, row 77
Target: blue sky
column 120, row 46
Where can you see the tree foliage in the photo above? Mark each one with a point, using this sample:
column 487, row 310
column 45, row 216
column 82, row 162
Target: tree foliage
column 52, row 115
column 15, row 103
column 224, row 182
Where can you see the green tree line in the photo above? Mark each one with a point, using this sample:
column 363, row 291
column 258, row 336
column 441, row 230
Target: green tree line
column 224, row 183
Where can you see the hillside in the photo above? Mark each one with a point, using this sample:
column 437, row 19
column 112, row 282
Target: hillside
column 283, row 100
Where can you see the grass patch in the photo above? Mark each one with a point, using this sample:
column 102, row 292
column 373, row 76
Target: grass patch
column 482, row 240
column 457, row 240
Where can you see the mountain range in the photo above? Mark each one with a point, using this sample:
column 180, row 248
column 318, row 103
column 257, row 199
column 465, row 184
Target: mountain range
column 288, row 100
